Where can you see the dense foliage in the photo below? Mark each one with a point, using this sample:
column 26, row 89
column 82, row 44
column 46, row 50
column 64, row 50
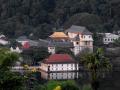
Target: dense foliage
column 9, row 80
column 34, row 55
column 33, row 17
column 97, row 64
column 62, row 85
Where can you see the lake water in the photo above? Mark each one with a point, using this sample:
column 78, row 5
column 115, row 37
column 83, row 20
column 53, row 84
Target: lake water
column 57, row 75
column 61, row 75
column 110, row 82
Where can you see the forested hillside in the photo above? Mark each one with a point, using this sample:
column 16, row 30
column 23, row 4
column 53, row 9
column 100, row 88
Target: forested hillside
column 37, row 18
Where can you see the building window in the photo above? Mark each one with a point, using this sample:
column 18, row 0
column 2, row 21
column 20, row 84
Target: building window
column 89, row 36
column 105, row 39
column 71, row 65
column 77, row 43
column 51, row 47
column 81, row 36
column 56, row 65
column 108, row 39
column 87, row 43
column 84, row 36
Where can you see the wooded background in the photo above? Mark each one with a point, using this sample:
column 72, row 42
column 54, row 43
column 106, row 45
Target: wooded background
column 39, row 18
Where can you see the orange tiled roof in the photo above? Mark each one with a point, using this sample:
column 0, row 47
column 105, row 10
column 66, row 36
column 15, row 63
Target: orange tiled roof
column 59, row 35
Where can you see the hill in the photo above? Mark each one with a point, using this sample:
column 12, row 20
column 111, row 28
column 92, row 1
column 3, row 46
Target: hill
column 37, row 18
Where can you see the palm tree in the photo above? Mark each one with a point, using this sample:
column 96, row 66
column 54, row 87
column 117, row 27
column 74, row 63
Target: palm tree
column 97, row 64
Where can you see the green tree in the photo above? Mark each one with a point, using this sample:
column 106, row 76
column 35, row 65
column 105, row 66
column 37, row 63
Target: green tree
column 98, row 39
column 69, row 85
column 40, row 53
column 8, row 79
column 56, row 85
column 34, row 55
column 97, row 64
column 63, row 50
column 117, row 42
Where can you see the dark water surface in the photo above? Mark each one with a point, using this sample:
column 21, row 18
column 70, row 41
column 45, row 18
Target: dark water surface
column 110, row 82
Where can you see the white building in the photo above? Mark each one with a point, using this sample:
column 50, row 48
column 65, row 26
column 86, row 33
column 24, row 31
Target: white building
column 3, row 40
column 17, row 50
column 81, row 38
column 58, row 40
column 109, row 38
column 58, row 63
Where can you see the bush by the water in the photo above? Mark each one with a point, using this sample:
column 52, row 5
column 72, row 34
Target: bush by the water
column 62, row 85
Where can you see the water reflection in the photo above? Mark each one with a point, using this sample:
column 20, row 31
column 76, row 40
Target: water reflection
column 58, row 75
column 61, row 75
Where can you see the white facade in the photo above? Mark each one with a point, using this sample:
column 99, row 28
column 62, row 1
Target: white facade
column 3, row 42
column 59, row 67
column 17, row 50
column 84, row 42
column 51, row 50
column 110, row 38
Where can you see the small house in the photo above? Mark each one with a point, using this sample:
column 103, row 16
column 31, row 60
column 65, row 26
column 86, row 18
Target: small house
column 109, row 38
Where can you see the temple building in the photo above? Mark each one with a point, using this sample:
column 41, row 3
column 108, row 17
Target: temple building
column 59, row 36
column 81, row 38
column 75, row 38
column 59, row 63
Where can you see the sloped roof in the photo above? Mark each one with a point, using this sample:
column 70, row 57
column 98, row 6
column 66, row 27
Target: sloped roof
column 59, row 58
column 59, row 35
column 22, row 38
column 61, row 44
column 109, row 35
column 79, row 29
column 31, row 42
column 43, row 43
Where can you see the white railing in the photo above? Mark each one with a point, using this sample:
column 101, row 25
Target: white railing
column 22, row 68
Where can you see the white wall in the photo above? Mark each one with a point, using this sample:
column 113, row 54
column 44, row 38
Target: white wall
column 82, row 43
column 72, row 35
column 59, row 67
column 51, row 50
column 109, row 38
column 87, row 37
column 3, row 42
column 17, row 49
column 44, row 67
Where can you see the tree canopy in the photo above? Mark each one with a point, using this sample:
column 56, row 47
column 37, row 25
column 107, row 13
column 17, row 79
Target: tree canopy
column 97, row 64
column 9, row 80
column 25, row 17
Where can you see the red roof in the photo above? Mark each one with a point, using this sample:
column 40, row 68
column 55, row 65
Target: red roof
column 59, row 58
column 26, row 45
